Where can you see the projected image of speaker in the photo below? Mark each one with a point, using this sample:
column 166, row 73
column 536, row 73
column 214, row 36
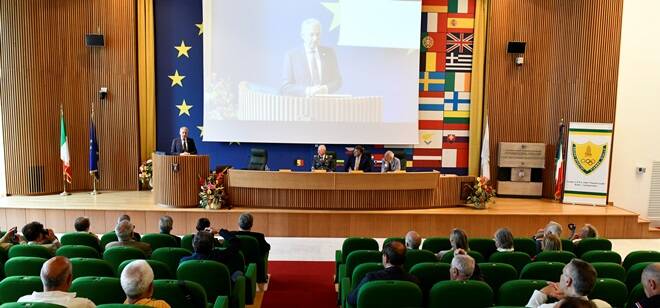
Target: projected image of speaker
column 94, row 40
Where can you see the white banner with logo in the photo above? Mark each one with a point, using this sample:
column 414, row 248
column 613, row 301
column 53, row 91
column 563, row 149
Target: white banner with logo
column 588, row 163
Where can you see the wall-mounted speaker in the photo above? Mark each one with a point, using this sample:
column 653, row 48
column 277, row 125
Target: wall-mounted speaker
column 516, row 47
column 94, row 40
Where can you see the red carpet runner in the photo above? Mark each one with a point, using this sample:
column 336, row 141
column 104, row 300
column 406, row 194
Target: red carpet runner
column 300, row 284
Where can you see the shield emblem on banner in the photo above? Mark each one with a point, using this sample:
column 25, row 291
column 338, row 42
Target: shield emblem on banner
column 588, row 156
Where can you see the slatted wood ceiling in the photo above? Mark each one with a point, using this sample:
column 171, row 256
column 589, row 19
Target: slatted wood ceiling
column 570, row 70
column 44, row 63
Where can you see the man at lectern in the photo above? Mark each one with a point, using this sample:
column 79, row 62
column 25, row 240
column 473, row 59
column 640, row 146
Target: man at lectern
column 359, row 161
column 183, row 145
column 323, row 161
column 390, row 163
column 310, row 69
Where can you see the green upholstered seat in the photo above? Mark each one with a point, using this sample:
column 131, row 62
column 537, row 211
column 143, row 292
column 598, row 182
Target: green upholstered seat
column 541, row 270
column 636, row 294
column 436, row 244
column 349, row 245
column 81, row 238
column 418, row 256
column 601, row 256
column 78, row 251
column 589, row 244
column 347, row 284
column 389, row 293
column 186, row 242
column 180, row 293
column 610, row 270
column 393, row 239
column 525, row 244
column 517, row 259
column 215, row 278
column 160, row 269
column 24, row 266
column 158, row 240
column 429, row 273
column 100, row 290
column 556, row 256
column 25, row 250
column 253, row 254
column 88, row 267
column 485, row 246
column 108, row 238
column 613, row 291
column 640, row 256
column 518, row 292
column 467, row 294
column 116, row 255
column 12, row 288
column 496, row 274
column 170, row 256
column 478, row 258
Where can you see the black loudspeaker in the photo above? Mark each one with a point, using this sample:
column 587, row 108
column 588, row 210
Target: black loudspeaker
column 516, row 47
column 94, row 40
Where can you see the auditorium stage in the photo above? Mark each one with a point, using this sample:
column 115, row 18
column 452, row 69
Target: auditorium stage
column 522, row 216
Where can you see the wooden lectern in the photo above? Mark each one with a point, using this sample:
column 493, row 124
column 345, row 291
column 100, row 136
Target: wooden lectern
column 176, row 179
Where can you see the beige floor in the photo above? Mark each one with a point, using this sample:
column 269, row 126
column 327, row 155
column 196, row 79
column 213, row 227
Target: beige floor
column 323, row 249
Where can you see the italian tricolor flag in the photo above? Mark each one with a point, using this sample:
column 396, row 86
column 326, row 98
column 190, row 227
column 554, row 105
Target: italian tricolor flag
column 64, row 150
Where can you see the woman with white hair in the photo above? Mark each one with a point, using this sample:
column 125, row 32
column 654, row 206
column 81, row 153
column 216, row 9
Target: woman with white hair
column 137, row 280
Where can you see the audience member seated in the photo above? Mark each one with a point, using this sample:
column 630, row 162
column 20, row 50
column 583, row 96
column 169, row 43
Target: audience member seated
column 137, row 281
column 82, row 225
column 35, row 234
column 587, row 231
column 503, row 240
column 165, row 226
column 458, row 240
column 56, row 277
column 204, row 244
column 124, row 231
column 574, row 302
column 204, row 224
column 462, row 267
column 10, row 238
column 551, row 242
column 394, row 256
column 245, row 222
column 136, row 236
column 651, row 284
column 577, row 280
column 551, row 228
column 413, row 240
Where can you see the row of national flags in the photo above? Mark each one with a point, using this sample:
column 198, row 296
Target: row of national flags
column 65, row 157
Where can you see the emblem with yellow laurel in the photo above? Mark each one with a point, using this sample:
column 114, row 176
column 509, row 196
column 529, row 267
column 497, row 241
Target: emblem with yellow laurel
column 588, row 156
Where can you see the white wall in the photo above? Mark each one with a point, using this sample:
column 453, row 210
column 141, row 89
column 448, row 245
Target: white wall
column 637, row 124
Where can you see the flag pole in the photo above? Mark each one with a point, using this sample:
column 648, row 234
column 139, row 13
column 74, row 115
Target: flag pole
column 64, row 192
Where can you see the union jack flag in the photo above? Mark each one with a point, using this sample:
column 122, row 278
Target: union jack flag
column 460, row 42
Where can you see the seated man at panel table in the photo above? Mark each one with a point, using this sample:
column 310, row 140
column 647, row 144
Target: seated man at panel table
column 577, row 280
column 56, row 277
column 390, row 163
column 183, row 145
column 310, row 69
column 394, row 256
column 124, row 231
column 359, row 161
column 323, row 161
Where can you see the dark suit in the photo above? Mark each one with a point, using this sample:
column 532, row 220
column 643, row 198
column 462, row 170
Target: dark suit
column 176, row 238
column 324, row 163
column 177, row 146
column 263, row 245
column 365, row 163
column 390, row 273
column 220, row 255
column 297, row 75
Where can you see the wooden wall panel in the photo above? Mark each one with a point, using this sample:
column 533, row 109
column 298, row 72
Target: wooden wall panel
column 45, row 63
column 570, row 70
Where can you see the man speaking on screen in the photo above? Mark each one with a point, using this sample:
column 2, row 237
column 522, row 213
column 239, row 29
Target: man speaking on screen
column 311, row 69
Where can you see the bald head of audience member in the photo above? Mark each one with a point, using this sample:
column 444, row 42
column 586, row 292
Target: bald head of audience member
column 124, row 230
column 462, row 267
column 394, row 254
column 651, row 279
column 56, row 274
column 137, row 280
column 413, row 240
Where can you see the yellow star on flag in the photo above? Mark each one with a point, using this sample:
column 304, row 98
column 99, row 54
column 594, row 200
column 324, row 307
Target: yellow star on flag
column 182, row 49
column 184, row 108
column 333, row 7
column 176, row 78
column 201, row 28
column 201, row 130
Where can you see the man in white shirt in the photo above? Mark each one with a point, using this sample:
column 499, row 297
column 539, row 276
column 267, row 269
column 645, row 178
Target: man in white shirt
column 310, row 70
column 577, row 280
column 56, row 277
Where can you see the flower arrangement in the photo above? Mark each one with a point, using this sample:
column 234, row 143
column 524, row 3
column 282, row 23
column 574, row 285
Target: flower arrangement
column 212, row 193
column 481, row 192
column 145, row 174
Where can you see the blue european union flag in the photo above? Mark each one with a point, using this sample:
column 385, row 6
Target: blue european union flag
column 93, row 152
